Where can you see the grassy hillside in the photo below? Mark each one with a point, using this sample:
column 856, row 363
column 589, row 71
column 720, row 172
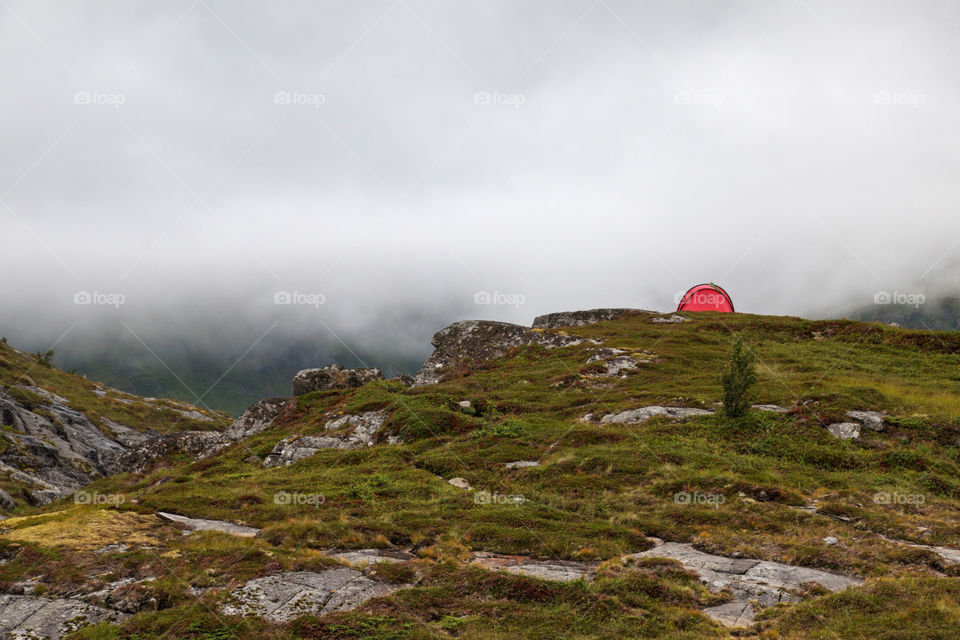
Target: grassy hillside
column 19, row 369
column 600, row 491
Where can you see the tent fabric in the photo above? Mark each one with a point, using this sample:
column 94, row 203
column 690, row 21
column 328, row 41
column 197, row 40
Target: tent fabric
column 706, row 297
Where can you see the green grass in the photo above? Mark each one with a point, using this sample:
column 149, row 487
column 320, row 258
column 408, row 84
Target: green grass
column 886, row 609
column 602, row 490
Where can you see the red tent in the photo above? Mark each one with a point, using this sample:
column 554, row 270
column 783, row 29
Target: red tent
column 706, row 297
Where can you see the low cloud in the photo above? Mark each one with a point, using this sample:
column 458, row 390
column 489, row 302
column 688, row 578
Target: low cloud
column 398, row 159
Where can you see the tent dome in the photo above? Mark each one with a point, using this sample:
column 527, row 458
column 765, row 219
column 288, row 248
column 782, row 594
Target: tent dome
column 706, row 297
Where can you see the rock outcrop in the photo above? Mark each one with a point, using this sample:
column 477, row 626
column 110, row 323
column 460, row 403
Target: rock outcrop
column 580, row 318
column 558, row 570
column 522, row 464
column 202, row 524
column 480, row 341
column 256, row 418
column 366, row 557
column 869, row 419
column 333, row 377
column 617, row 362
column 671, row 319
column 844, row 430
column 55, row 448
column 346, row 432
column 760, row 581
column 948, row 557
column 285, row 596
column 405, row 379
column 126, row 595
column 29, row 617
column 199, row 444
column 634, row 416
column 771, row 408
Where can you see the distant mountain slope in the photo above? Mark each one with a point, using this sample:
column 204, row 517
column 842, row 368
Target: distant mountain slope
column 224, row 381
column 938, row 314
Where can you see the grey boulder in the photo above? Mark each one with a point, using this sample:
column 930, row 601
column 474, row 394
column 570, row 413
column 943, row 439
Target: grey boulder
column 580, row 318
column 256, row 418
column 333, row 377
column 844, row 430
column 478, row 341
column 869, row 419
column 346, row 432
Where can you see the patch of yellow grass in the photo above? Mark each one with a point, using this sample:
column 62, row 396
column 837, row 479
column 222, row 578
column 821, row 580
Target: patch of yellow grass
column 84, row 528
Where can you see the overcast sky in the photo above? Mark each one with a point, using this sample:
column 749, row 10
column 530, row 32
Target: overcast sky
column 393, row 159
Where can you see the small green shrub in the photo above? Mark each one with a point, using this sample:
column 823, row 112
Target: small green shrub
column 512, row 428
column 45, row 358
column 737, row 380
